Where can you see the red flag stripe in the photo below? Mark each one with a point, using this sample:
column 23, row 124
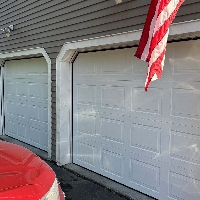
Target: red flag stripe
column 155, row 69
column 165, row 19
column 153, row 41
column 156, row 61
column 151, row 16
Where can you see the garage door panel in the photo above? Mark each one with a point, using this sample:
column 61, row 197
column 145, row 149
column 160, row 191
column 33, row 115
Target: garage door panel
column 86, row 124
column 179, row 183
column 150, row 103
column 183, row 183
column 25, row 100
column 186, row 125
column 112, row 161
column 146, row 138
column 191, row 99
column 21, row 110
column 185, row 147
column 86, row 94
column 34, row 134
column 117, row 127
column 148, row 141
column 90, row 125
column 22, row 130
column 85, row 154
column 143, row 174
column 34, row 90
column 10, row 123
column 113, row 96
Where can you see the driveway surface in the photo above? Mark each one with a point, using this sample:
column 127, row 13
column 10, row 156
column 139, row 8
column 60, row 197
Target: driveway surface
column 76, row 187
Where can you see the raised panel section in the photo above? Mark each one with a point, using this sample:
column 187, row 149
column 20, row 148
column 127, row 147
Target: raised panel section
column 112, row 130
column 190, row 107
column 10, row 88
column 113, row 96
column 150, row 101
column 10, row 108
column 185, row 147
column 186, row 60
column 22, row 89
column 21, row 110
column 45, row 115
column 145, row 174
column 45, row 91
column 112, row 162
column 86, row 153
column 33, row 113
column 11, row 129
column 139, row 67
column 86, row 94
column 86, row 124
column 146, row 138
column 34, row 133
column 22, row 130
column 113, row 63
column 183, row 187
column 86, row 64
column 35, row 90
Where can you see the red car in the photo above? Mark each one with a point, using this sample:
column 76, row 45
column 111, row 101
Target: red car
column 23, row 175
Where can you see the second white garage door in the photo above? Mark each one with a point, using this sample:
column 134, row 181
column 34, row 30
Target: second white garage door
column 149, row 141
column 26, row 101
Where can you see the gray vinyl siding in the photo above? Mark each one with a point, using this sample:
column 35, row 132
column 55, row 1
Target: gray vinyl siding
column 51, row 23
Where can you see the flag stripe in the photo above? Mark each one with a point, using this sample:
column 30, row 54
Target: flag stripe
column 164, row 28
column 152, row 45
column 145, row 33
column 157, row 61
column 155, row 71
column 145, row 52
column 164, row 12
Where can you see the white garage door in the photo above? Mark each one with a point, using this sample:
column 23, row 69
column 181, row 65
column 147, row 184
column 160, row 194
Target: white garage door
column 149, row 141
column 26, row 101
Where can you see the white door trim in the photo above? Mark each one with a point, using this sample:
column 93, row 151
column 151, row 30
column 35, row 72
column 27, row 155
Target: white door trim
column 187, row 29
column 37, row 51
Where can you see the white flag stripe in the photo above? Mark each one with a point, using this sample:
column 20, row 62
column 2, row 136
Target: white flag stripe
column 153, row 42
column 145, row 53
column 165, row 14
column 158, row 49
column 155, row 54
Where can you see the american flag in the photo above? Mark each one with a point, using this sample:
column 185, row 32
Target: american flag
column 152, row 45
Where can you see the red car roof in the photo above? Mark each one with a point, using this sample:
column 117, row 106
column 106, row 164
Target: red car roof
column 23, row 175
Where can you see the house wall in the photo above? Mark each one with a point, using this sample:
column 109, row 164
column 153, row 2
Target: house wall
column 49, row 24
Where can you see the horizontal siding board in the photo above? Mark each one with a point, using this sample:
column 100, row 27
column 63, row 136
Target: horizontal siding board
column 91, row 19
column 77, row 16
column 54, row 137
column 53, row 9
column 35, row 9
column 18, row 10
column 46, row 37
column 9, row 4
column 53, row 35
column 53, row 95
column 70, row 34
column 188, row 9
column 53, row 99
column 78, row 24
column 187, row 17
column 53, row 108
column 54, row 125
column 53, row 78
